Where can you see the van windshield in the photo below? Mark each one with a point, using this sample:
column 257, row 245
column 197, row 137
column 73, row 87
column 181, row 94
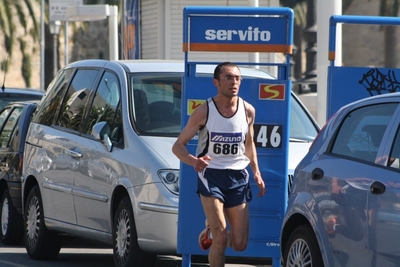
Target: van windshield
column 156, row 108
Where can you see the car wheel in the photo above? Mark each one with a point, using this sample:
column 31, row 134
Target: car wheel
column 125, row 245
column 41, row 244
column 11, row 222
column 302, row 249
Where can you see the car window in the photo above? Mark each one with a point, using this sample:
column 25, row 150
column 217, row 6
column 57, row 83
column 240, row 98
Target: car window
column 52, row 100
column 157, row 107
column 3, row 115
column 362, row 131
column 301, row 126
column 106, row 107
column 9, row 126
column 157, row 104
column 73, row 105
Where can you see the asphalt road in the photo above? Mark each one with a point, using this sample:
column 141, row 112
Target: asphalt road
column 85, row 254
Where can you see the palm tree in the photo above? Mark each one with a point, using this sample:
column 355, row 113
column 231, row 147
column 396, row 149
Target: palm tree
column 24, row 11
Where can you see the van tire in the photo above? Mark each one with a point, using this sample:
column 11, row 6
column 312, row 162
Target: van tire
column 41, row 244
column 125, row 245
column 11, row 223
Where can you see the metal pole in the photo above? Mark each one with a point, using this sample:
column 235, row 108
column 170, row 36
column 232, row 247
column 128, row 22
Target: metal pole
column 42, row 45
column 66, row 42
column 325, row 9
column 113, row 32
column 54, row 54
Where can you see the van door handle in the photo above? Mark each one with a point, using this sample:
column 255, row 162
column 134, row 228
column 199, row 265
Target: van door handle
column 317, row 174
column 73, row 154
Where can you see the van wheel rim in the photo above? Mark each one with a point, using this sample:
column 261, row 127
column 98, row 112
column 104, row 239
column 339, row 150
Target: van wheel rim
column 123, row 236
column 32, row 222
column 4, row 217
column 299, row 255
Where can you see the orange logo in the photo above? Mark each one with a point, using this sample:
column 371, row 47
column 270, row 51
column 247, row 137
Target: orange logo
column 272, row 91
column 193, row 104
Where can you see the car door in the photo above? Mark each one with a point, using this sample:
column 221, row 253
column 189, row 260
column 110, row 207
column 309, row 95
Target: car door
column 94, row 178
column 61, row 148
column 350, row 170
column 384, row 206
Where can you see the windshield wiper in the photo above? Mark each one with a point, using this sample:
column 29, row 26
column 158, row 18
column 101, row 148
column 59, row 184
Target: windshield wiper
column 297, row 140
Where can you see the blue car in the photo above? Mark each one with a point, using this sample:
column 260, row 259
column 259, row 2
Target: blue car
column 344, row 204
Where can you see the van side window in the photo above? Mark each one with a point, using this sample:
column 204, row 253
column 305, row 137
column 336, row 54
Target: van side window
column 361, row 132
column 106, row 107
column 76, row 98
column 51, row 102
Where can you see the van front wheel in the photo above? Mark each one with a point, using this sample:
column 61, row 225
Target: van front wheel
column 125, row 245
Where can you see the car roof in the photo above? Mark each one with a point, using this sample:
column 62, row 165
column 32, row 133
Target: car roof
column 393, row 97
column 167, row 66
column 22, row 103
column 26, row 91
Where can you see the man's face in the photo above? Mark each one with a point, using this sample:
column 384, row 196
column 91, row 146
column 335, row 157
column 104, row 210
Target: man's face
column 229, row 81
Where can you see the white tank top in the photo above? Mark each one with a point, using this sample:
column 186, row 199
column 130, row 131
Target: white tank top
column 223, row 138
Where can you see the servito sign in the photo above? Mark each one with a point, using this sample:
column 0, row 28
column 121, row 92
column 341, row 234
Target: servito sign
column 237, row 34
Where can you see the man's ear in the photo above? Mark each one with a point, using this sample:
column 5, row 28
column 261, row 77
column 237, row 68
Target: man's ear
column 216, row 82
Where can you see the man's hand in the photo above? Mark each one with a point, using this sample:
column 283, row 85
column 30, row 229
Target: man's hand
column 201, row 163
column 260, row 183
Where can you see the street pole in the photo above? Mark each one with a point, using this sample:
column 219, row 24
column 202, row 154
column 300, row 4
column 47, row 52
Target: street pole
column 42, row 45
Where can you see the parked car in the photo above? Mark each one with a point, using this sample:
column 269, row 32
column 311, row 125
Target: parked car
column 8, row 95
column 344, row 208
column 98, row 161
column 14, row 121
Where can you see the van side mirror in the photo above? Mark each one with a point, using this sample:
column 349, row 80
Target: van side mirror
column 101, row 132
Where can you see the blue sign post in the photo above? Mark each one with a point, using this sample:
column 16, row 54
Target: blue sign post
column 348, row 84
column 241, row 29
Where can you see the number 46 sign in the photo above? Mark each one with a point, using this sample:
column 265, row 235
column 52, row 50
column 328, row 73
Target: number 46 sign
column 268, row 136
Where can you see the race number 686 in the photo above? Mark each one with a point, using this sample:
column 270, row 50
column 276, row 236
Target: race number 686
column 268, row 136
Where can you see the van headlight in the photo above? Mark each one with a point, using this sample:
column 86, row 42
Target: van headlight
column 170, row 179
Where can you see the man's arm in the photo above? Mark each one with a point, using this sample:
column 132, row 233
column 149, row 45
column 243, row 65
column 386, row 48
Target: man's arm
column 196, row 120
column 251, row 152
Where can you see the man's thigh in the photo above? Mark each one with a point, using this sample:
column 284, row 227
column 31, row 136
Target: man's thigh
column 238, row 219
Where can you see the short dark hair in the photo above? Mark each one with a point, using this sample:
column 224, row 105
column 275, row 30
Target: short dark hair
column 218, row 68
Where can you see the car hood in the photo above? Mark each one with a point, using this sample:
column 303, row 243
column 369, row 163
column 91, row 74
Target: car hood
column 163, row 147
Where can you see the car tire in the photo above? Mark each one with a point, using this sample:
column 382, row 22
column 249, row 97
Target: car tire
column 125, row 245
column 41, row 244
column 11, row 223
column 302, row 249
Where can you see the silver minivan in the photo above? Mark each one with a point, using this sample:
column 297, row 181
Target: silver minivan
column 98, row 160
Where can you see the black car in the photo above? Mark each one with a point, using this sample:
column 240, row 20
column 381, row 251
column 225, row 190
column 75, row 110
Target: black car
column 14, row 120
column 8, row 95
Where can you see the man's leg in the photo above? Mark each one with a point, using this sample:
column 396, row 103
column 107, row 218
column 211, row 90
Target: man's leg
column 238, row 219
column 214, row 211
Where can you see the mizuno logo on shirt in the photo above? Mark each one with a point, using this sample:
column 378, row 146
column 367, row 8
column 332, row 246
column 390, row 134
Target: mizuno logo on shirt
column 226, row 137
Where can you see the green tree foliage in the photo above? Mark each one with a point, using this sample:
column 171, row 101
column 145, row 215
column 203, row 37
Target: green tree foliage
column 23, row 10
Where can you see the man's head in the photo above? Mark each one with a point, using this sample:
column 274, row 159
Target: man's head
column 218, row 69
column 227, row 79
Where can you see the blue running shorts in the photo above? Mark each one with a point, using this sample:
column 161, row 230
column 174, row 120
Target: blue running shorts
column 230, row 186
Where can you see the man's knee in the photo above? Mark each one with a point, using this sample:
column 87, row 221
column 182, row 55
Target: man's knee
column 220, row 239
column 239, row 246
